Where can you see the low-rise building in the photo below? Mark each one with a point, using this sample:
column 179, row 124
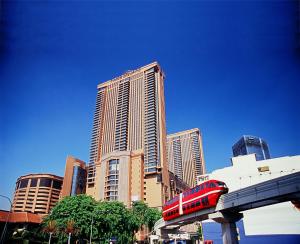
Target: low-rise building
column 36, row 193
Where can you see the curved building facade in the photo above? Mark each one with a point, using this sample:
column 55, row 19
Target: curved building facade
column 37, row 193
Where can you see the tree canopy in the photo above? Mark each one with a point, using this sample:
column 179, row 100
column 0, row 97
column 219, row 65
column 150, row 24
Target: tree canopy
column 106, row 219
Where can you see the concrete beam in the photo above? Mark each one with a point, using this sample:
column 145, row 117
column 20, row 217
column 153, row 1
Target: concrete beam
column 225, row 217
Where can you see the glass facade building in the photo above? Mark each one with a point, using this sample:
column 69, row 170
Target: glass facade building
column 249, row 145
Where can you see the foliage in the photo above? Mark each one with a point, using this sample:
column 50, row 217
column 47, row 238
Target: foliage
column 72, row 214
column 200, row 231
column 79, row 214
column 147, row 216
column 113, row 219
column 32, row 234
column 50, row 227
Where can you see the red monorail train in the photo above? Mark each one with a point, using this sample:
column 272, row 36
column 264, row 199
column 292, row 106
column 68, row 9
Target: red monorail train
column 205, row 195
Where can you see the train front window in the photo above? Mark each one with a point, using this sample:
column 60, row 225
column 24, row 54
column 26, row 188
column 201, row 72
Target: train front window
column 220, row 183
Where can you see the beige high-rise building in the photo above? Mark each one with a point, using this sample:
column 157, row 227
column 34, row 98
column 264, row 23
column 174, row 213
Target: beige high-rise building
column 185, row 155
column 128, row 159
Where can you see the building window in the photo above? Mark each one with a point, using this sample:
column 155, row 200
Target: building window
column 112, row 180
column 56, row 184
column 44, row 182
column 33, row 182
column 23, row 183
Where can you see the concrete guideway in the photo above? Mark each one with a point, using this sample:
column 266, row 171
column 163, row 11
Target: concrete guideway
column 227, row 211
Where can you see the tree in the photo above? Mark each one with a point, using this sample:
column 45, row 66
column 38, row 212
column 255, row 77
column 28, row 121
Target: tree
column 147, row 216
column 76, row 210
column 50, row 228
column 84, row 217
column 152, row 215
column 113, row 219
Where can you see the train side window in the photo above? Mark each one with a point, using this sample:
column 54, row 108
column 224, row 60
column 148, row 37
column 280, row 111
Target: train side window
column 204, row 201
column 193, row 205
column 183, row 208
column 197, row 203
column 212, row 185
column 207, row 185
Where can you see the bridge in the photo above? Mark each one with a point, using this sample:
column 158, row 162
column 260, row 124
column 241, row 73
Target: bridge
column 230, row 205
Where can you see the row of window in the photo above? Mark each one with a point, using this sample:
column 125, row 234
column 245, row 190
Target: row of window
column 204, row 201
column 199, row 188
column 43, row 182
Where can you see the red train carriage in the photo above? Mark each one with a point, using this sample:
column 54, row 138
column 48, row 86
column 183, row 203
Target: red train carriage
column 205, row 195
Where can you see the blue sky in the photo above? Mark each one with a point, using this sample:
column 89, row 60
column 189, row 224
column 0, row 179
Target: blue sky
column 232, row 68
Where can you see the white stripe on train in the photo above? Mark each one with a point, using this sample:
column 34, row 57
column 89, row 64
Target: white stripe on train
column 203, row 195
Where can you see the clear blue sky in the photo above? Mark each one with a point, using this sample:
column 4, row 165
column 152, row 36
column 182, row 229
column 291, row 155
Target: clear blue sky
column 232, row 68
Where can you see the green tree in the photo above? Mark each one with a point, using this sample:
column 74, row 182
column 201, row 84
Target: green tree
column 147, row 216
column 76, row 209
column 80, row 214
column 152, row 215
column 50, row 228
column 113, row 219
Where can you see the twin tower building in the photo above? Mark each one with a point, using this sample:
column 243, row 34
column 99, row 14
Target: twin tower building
column 131, row 156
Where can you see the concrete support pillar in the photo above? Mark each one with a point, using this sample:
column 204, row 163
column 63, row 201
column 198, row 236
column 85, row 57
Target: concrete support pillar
column 229, row 233
column 227, row 221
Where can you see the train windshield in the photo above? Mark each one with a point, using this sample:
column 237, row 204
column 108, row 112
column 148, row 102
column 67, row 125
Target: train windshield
column 220, row 183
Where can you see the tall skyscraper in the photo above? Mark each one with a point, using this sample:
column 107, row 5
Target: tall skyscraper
column 251, row 144
column 185, row 155
column 128, row 158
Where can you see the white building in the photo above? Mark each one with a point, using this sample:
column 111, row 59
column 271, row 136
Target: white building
column 283, row 218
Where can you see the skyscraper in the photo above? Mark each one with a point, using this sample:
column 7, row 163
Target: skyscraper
column 251, row 144
column 185, row 155
column 128, row 158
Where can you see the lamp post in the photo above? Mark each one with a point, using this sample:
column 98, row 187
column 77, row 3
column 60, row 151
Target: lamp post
column 7, row 218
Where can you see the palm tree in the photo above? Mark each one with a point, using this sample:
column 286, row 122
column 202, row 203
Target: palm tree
column 51, row 228
column 70, row 228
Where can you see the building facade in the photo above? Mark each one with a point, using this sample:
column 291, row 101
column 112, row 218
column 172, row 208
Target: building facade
column 74, row 182
column 185, row 155
column 36, row 193
column 130, row 118
column 251, row 144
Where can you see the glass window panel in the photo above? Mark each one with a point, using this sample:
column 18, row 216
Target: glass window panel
column 33, row 182
column 23, row 183
column 44, row 182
